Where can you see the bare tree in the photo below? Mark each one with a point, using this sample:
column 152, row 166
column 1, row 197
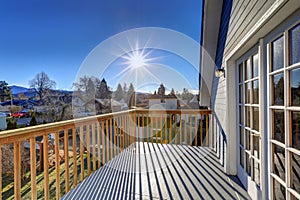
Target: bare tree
column 42, row 84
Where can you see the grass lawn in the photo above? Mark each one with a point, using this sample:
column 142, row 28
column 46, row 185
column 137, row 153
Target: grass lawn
column 8, row 185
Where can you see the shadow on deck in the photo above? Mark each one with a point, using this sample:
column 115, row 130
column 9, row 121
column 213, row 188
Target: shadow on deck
column 160, row 171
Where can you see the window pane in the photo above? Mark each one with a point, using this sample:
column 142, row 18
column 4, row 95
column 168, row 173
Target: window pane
column 241, row 93
column 296, row 172
column 248, row 70
column 278, row 126
column 248, row 91
column 241, row 71
column 241, row 115
column 278, row 89
column 277, row 54
column 256, row 118
column 255, row 65
column 242, row 156
column 242, row 136
column 278, row 190
column 279, row 161
column 295, row 45
column 296, row 130
column 255, row 92
column 295, row 87
column 256, row 172
column 247, row 110
column 247, row 133
column 256, row 150
column 248, row 164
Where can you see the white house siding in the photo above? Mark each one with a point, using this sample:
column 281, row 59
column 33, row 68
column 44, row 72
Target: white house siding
column 244, row 15
column 250, row 21
column 219, row 107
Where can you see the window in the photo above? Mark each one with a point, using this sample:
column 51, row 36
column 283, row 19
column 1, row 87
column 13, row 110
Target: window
column 249, row 136
column 284, row 108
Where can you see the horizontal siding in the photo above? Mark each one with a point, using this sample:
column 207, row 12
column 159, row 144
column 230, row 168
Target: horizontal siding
column 243, row 18
column 219, row 106
column 219, row 100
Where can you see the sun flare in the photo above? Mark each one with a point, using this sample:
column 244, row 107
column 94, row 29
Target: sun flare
column 136, row 59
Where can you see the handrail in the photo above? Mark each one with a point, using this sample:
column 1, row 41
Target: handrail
column 81, row 146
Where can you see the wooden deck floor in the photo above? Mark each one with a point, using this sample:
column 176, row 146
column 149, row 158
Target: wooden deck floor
column 160, row 171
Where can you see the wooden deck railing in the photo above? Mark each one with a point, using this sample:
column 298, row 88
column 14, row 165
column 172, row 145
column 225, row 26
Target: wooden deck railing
column 48, row 160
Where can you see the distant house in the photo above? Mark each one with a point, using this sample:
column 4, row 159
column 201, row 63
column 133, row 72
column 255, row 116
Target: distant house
column 168, row 102
column 161, row 101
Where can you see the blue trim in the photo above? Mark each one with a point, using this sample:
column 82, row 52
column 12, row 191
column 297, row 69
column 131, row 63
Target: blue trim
column 223, row 30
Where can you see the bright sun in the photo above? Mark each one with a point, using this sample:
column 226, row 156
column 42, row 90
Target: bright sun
column 137, row 59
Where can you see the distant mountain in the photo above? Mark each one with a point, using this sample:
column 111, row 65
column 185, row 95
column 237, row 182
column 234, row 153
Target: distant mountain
column 29, row 92
column 18, row 89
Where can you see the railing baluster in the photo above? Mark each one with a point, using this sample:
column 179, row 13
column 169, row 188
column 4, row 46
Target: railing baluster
column 107, row 140
column 180, row 130
column 191, row 124
column 74, row 130
column 98, row 133
column 206, row 129
column 116, row 138
column 1, row 172
column 94, row 145
column 111, row 139
column 33, row 168
column 103, row 142
column 161, row 128
column 171, row 129
column 137, row 127
column 46, row 167
column 17, row 170
column 66, row 155
column 196, row 126
column 57, row 164
column 143, row 127
column 81, row 153
column 201, row 130
column 88, row 148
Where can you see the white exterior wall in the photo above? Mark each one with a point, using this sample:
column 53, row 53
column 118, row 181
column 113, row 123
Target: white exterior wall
column 250, row 21
column 169, row 104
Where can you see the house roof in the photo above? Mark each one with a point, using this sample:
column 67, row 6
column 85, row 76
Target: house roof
column 157, row 96
column 215, row 22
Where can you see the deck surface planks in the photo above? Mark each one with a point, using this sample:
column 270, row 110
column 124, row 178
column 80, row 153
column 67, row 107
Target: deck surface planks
column 160, row 171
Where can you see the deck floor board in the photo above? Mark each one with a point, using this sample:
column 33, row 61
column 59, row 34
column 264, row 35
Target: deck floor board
column 160, row 171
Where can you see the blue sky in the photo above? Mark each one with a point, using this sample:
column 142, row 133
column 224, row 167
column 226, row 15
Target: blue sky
column 56, row 36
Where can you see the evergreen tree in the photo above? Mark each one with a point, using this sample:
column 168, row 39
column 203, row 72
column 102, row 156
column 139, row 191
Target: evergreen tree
column 5, row 91
column 90, row 90
column 12, row 124
column 186, row 95
column 172, row 92
column 119, row 94
column 130, row 92
column 125, row 88
column 103, row 91
column 33, row 121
